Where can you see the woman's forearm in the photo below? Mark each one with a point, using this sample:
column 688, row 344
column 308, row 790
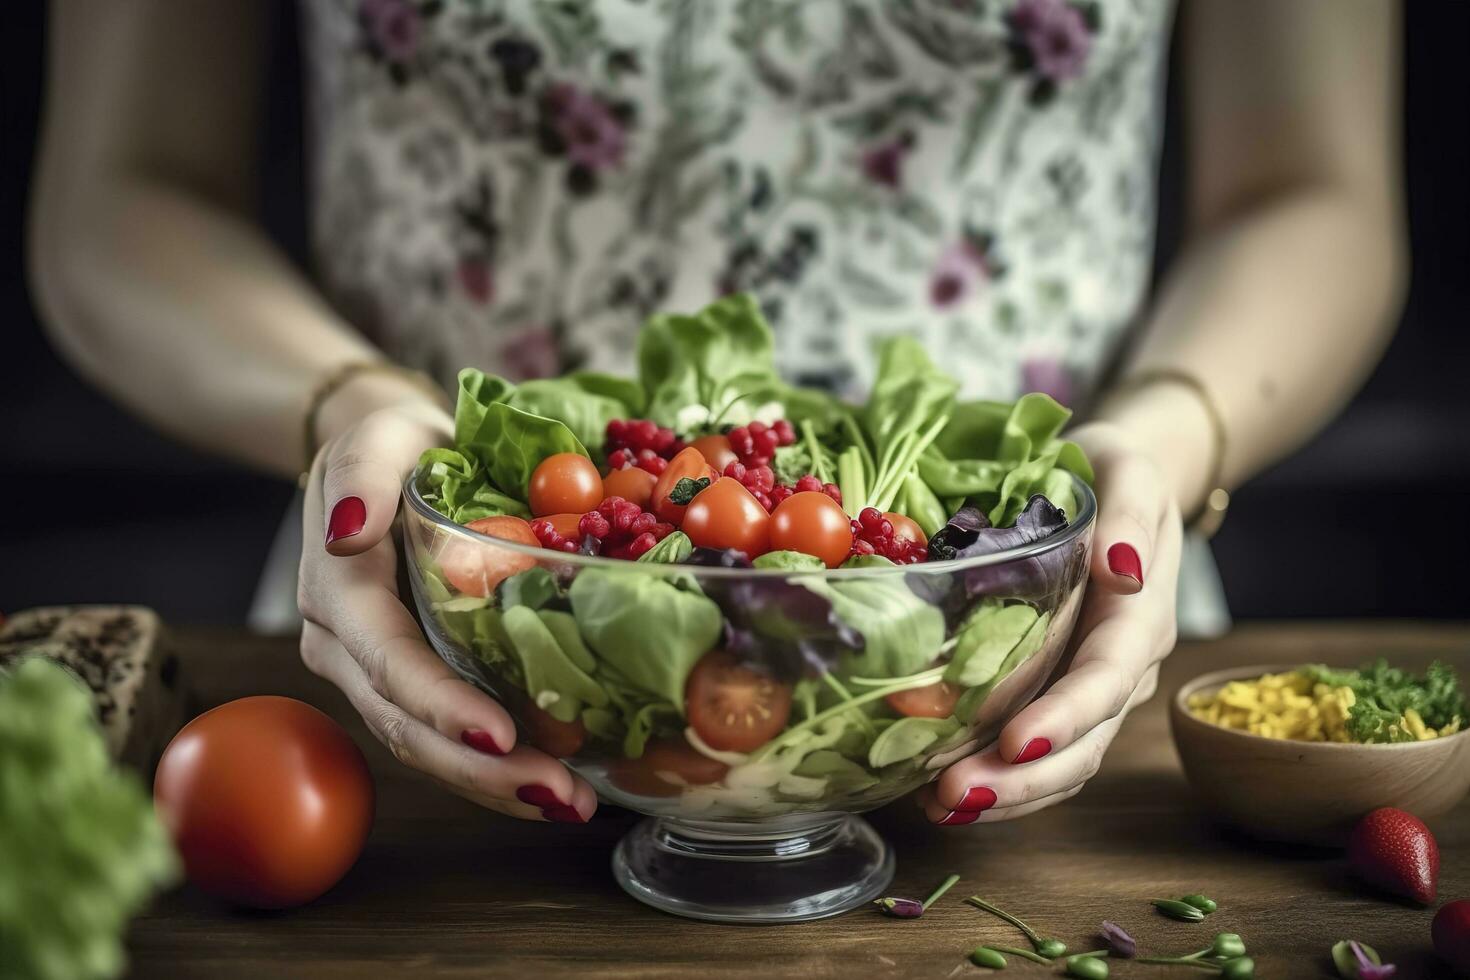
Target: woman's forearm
column 1279, row 314
column 186, row 314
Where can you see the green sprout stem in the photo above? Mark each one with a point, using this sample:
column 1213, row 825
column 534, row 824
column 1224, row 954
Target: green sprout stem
column 785, row 738
column 1023, row 953
column 944, row 886
column 1177, row 960
column 863, row 721
column 981, row 903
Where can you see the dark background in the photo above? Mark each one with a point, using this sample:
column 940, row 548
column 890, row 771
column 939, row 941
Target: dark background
column 1369, row 520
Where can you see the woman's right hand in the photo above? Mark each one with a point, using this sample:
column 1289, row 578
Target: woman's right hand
column 359, row 635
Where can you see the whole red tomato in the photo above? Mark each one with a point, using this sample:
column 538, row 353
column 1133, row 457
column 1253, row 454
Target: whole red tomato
column 565, row 483
column 267, row 799
column 813, row 524
column 1451, row 934
column 725, row 515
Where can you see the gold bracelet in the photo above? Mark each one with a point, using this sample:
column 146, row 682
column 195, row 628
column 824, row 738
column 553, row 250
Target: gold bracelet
column 1211, row 513
column 335, row 381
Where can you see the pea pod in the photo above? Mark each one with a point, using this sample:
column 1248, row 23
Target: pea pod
column 1178, row 910
column 1087, row 967
column 1205, row 905
column 987, row 957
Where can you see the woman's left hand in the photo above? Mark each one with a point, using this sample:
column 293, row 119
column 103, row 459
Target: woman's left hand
column 1126, row 627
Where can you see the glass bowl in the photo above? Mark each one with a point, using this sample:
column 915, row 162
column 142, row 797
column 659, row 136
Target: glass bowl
column 590, row 655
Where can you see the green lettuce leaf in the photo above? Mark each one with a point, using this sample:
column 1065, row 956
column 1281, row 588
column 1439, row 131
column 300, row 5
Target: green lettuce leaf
column 81, row 850
column 510, row 444
column 553, row 680
column 650, row 631
column 712, row 359
column 901, row 632
column 586, row 413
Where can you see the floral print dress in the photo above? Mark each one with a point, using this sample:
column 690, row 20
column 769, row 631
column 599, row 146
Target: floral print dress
column 516, row 184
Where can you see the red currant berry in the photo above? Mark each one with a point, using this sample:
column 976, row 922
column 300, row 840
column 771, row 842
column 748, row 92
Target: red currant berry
column 785, row 434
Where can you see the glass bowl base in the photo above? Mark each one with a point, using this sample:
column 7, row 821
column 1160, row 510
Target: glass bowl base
column 823, row 865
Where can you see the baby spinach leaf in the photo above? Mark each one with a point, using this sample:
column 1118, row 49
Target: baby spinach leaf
column 906, row 738
column 971, row 701
column 709, row 359
column 1033, row 422
column 961, row 477
column 918, row 501
column 670, row 551
column 602, row 723
column 985, row 641
column 650, row 631
column 585, row 413
column 902, row 633
column 563, row 627
column 974, row 430
column 511, row 443
column 556, row 684
column 790, row 560
column 534, row 587
column 644, row 723
column 477, row 391
column 619, row 389
column 842, row 774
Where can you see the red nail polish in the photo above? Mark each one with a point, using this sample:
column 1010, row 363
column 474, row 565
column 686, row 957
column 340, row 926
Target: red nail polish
column 348, row 518
column 536, row 795
column 563, row 814
column 481, row 741
column 1123, row 560
column 957, row 818
column 977, row 799
column 1031, row 751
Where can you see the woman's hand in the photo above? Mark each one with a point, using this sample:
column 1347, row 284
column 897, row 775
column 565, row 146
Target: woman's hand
column 1126, row 627
column 359, row 635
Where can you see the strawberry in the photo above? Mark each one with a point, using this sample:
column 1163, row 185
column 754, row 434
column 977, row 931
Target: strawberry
column 1395, row 851
column 1451, row 933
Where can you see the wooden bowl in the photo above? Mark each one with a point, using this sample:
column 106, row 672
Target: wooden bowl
column 1310, row 792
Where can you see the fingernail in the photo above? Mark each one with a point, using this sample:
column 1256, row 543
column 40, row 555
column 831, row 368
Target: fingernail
column 977, row 799
column 348, row 518
column 1123, row 560
column 481, row 741
column 536, row 795
column 957, row 818
column 1031, row 751
column 563, row 814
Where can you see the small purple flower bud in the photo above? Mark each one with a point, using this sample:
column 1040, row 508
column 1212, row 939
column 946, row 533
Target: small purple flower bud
column 1119, row 942
column 900, row 908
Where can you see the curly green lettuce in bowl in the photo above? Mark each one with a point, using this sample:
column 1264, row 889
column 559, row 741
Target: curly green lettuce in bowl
column 814, row 608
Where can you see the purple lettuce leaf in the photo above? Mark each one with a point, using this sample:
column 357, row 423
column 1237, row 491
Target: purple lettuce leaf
column 781, row 628
column 1040, row 577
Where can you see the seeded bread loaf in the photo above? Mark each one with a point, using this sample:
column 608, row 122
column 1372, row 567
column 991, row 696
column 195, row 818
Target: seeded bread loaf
column 123, row 654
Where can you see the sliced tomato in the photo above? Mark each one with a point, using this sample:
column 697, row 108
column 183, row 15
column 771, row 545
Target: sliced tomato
column 565, row 483
column 665, row 768
column 716, row 450
column 937, row 700
column 906, row 528
column 813, row 524
column 725, row 515
column 688, row 464
column 476, row 568
column 732, row 707
column 551, row 735
column 632, row 483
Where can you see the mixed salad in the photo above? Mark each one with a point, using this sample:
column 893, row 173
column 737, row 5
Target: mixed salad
column 747, row 693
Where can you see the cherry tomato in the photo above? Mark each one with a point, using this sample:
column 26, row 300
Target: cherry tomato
column 906, row 528
column 564, row 524
column 934, row 701
column 725, row 515
column 631, row 484
column 688, row 464
column 716, row 450
column 650, row 774
column 732, row 707
column 267, row 799
column 813, row 524
column 552, row 735
column 475, row 568
column 565, row 483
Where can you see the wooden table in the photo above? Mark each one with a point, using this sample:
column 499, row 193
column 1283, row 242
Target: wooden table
column 446, row 889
